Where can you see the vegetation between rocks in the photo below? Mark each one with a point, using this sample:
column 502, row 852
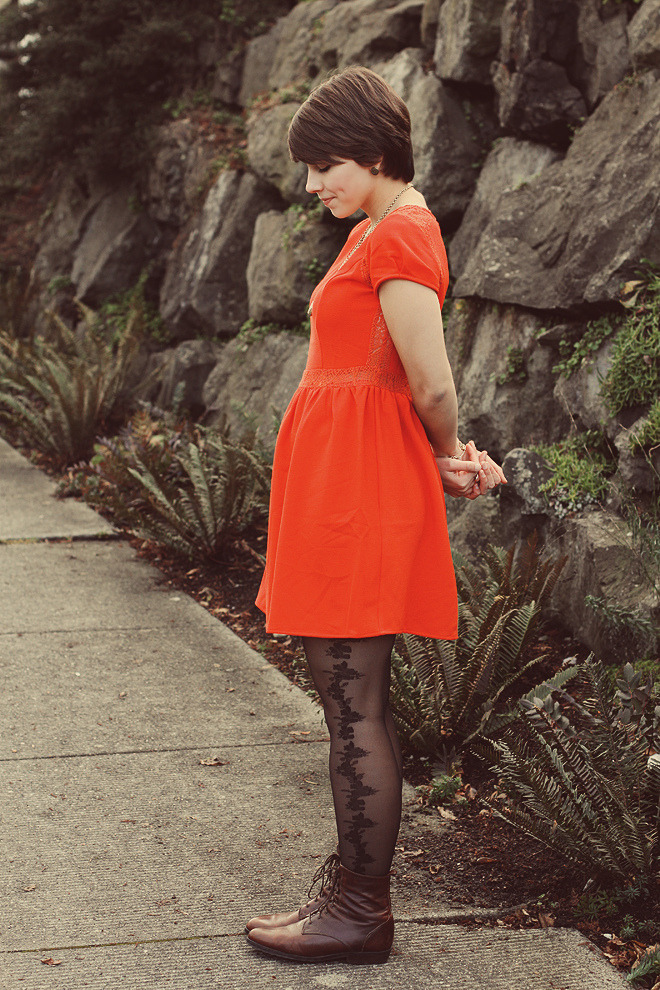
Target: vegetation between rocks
column 580, row 466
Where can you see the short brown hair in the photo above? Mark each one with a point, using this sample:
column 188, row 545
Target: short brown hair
column 358, row 116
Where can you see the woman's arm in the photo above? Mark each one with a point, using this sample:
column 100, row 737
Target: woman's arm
column 412, row 314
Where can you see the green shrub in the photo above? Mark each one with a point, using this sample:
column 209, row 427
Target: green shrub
column 580, row 465
column 578, row 776
column 60, row 393
column 575, row 354
column 634, row 375
column 115, row 313
column 441, row 790
column 187, row 488
column 95, row 74
column 647, row 965
column 515, row 370
column 444, row 692
column 649, row 434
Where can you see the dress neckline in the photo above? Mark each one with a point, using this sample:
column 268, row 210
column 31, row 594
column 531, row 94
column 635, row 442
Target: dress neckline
column 338, row 263
column 404, row 206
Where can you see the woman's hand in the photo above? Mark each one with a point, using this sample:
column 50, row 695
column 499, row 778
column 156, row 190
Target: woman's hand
column 470, row 475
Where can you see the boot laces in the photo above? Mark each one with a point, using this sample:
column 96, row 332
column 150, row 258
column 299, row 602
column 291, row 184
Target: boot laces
column 328, row 876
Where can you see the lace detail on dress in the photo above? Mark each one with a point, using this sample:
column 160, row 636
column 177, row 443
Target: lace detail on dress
column 362, row 375
column 383, row 367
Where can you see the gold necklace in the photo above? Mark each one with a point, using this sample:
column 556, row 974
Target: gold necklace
column 372, row 226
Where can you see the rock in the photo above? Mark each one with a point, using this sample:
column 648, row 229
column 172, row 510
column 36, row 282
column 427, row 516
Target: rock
column 118, row 242
column 322, row 35
column 268, row 152
column 204, row 290
column 581, row 37
column 544, row 29
column 510, row 165
column 603, row 58
column 289, row 53
column 446, row 146
column 290, row 254
column 473, row 524
column 633, row 468
column 644, row 36
column 264, row 374
column 604, row 562
column 362, row 32
column 428, row 27
column 259, row 58
column 602, row 559
column 180, row 164
column 580, row 394
column 523, row 507
column 467, row 40
column 226, row 83
column 184, row 370
column 538, row 101
column 557, row 60
column 503, row 378
column 62, row 230
column 570, row 236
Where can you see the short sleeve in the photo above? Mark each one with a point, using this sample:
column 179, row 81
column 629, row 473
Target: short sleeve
column 408, row 245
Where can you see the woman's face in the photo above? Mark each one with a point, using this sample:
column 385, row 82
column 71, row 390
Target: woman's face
column 344, row 188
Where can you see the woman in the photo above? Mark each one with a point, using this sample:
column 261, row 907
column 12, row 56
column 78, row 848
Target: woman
column 357, row 544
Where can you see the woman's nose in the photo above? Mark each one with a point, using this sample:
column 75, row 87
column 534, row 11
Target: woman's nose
column 313, row 183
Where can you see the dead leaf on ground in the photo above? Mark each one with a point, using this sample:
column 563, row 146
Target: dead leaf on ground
column 214, row 761
column 546, row 920
column 51, row 962
column 448, row 815
column 32, row 886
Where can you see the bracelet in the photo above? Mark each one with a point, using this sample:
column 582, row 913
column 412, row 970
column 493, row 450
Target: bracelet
column 458, row 452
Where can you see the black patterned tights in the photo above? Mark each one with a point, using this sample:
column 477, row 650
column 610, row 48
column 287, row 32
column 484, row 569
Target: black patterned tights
column 352, row 677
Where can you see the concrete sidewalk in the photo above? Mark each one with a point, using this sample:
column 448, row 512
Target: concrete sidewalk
column 127, row 859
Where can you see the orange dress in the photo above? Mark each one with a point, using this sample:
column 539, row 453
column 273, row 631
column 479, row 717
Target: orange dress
column 357, row 533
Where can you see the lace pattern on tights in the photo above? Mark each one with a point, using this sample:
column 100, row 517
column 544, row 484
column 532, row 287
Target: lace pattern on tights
column 348, row 765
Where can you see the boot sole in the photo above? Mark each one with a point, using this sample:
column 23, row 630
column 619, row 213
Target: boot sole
column 355, row 958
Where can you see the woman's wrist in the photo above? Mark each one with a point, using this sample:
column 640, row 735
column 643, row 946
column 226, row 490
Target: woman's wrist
column 458, row 451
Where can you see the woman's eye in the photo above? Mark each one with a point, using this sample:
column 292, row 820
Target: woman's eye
column 323, row 168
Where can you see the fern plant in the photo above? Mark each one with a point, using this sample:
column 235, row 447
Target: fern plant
column 647, row 965
column 60, row 393
column 444, row 693
column 189, row 489
column 579, row 776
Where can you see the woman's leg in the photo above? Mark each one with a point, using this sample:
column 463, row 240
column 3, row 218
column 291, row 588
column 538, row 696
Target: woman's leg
column 352, row 677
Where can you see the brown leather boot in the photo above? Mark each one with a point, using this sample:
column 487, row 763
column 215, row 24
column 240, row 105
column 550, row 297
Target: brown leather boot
column 325, row 875
column 355, row 924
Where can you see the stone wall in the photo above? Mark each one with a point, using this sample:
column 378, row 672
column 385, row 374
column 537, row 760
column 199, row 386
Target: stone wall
column 536, row 129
